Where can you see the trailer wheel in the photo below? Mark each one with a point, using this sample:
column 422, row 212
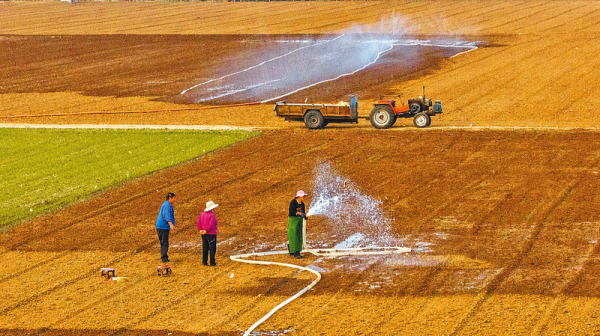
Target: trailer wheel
column 314, row 119
column 382, row 117
column 415, row 108
column 422, row 120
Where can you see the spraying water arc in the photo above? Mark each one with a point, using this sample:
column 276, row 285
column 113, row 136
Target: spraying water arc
column 330, row 192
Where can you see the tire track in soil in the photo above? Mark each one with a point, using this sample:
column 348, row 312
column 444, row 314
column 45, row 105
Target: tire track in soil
column 247, row 309
column 24, row 270
column 562, row 296
column 456, row 173
column 488, row 291
column 322, row 310
column 414, row 292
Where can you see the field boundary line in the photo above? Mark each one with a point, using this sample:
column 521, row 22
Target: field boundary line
column 130, row 126
column 260, row 128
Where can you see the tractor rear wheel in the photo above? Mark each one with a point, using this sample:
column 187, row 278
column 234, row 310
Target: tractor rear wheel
column 314, row 119
column 422, row 120
column 382, row 117
column 415, row 108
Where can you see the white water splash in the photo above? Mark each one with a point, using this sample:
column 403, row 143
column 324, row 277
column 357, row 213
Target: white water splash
column 356, row 216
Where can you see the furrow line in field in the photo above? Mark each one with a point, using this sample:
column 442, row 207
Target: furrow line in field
column 343, row 18
column 62, row 284
column 174, row 302
column 521, row 15
column 472, row 181
column 24, row 270
column 510, row 80
column 125, row 52
column 556, row 16
column 148, row 15
column 497, row 7
column 495, row 283
column 68, row 86
column 89, row 17
column 295, row 18
column 204, row 25
column 479, row 11
column 417, row 291
column 559, row 300
column 123, row 289
column 584, row 17
column 350, row 280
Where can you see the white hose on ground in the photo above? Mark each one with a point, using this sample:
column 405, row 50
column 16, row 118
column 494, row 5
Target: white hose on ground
column 318, row 252
column 238, row 258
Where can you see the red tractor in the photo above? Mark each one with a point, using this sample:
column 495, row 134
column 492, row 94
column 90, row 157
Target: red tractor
column 385, row 112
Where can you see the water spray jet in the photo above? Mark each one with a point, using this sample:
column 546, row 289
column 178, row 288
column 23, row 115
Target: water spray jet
column 331, row 191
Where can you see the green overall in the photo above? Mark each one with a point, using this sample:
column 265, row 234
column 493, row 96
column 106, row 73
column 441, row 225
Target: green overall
column 295, row 234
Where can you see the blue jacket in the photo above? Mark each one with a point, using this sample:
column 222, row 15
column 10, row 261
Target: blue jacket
column 166, row 214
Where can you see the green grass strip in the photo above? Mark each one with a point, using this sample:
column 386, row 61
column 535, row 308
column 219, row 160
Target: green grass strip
column 45, row 169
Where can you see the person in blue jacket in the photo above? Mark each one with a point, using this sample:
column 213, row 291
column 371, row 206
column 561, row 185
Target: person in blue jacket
column 164, row 224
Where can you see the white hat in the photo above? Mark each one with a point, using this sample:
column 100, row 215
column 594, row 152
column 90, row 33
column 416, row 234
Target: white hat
column 210, row 205
column 301, row 193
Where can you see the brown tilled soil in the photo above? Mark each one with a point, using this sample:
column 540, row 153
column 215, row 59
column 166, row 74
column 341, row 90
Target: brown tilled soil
column 504, row 224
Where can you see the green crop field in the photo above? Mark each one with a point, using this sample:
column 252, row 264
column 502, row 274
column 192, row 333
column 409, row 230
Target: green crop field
column 44, row 169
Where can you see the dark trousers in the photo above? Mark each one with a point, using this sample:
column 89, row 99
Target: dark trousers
column 209, row 244
column 163, row 237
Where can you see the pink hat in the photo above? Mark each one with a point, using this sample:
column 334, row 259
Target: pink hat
column 301, row 193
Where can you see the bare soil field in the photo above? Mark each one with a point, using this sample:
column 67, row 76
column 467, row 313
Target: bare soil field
column 541, row 70
column 504, row 225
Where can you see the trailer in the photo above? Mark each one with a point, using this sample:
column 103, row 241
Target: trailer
column 384, row 113
column 317, row 116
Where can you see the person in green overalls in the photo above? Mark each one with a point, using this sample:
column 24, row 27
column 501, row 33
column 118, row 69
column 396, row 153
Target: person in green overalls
column 297, row 213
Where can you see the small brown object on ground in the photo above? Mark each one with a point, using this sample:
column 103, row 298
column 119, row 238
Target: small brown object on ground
column 107, row 272
column 164, row 270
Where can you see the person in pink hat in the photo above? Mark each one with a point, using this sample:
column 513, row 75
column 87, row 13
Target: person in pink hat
column 297, row 212
column 207, row 224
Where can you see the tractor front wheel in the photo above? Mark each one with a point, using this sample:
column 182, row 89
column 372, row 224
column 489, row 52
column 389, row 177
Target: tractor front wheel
column 382, row 117
column 422, row 120
column 314, row 119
